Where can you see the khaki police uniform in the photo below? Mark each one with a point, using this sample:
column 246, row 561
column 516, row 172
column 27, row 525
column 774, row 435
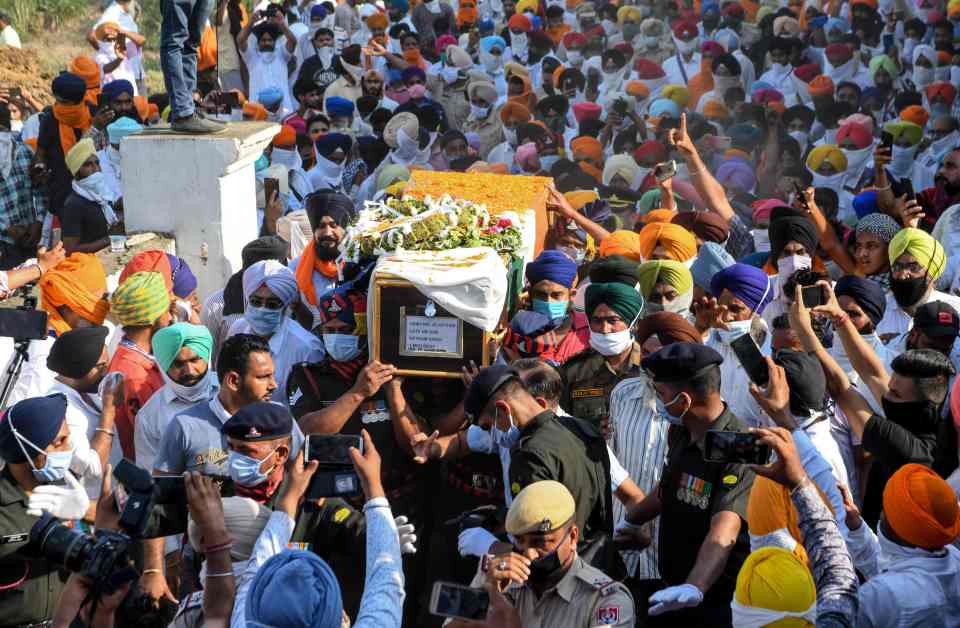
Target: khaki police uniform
column 589, row 381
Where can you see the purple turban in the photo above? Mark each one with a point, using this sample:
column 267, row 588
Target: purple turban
column 328, row 144
column 412, row 71
column 554, row 266
column 737, row 172
column 184, row 281
column 748, row 283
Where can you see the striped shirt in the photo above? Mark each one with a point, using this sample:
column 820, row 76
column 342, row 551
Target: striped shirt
column 641, row 445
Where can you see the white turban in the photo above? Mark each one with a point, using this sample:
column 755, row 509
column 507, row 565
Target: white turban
column 275, row 275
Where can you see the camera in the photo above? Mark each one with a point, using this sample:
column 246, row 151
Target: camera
column 22, row 323
column 489, row 517
column 104, row 558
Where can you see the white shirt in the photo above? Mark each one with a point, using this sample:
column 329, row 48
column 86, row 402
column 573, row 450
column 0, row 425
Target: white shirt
column 640, row 438
column 268, row 70
column 128, row 68
column 896, row 321
column 9, row 37
column 110, row 167
column 671, row 67
column 290, row 345
column 734, row 384
column 83, row 418
column 502, row 153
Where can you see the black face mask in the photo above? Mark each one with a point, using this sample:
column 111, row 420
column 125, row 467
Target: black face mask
column 545, row 567
column 917, row 417
column 908, row 291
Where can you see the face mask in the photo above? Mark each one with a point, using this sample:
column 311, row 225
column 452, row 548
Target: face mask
column 650, row 41
column 662, row 410
column 577, row 255
column 609, row 27
column 449, row 75
column 734, row 331
column 834, row 181
column 942, row 145
column 545, row 567
column 802, row 138
column 575, row 57
column 686, row 47
column 400, row 96
column 54, row 468
column 842, row 72
column 245, row 470
column 761, row 240
column 508, row 439
column 939, row 109
column 417, row 91
column 518, row 42
column 478, row 113
column 779, row 68
column 610, row 344
column 263, row 321
column 790, row 264
column 942, row 73
column 857, row 159
column 902, row 158
column 342, row 347
column 261, row 164
column 908, row 291
column 920, row 416
column 268, row 56
column 551, row 309
column 196, row 393
column 548, row 161
column 325, row 54
column 922, row 76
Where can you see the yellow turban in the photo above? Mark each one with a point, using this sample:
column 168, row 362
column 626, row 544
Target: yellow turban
column 775, row 580
column 579, row 198
column 141, row 299
column 677, row 93
column 527, row 5
column 80, row 152
column 377, row 20
column 649, row 274
column 896, row 128
column 622, row 242
column 680, row 244
column 829, row 153
column 921, row 245
column 628, row 13
column 921, row 507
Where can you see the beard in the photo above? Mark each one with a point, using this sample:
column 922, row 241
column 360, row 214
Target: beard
column 326, row 249
column 191, row 381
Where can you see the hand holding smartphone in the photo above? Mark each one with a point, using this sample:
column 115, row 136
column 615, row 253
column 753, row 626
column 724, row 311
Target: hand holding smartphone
column 751, row 359
column 735, row 447
column 665, row 170
column 457, row 601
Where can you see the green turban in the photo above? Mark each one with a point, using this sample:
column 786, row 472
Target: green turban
column 885, row 63
column 920, row 244
column 622, row 299
column 896, row 128
column 168, row 341
column 667, row 271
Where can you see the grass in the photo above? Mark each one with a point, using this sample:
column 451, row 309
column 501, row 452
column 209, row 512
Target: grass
column 31, row 17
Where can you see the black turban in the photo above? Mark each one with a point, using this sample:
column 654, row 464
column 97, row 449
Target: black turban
column 75, row 353
column 868, row 294
column 808, row 384
column 337, row 206
column 69, row 87
column 796, row 228
column 614, row 269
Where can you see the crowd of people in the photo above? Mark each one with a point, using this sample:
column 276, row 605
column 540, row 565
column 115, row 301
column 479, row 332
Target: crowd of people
column 729, row 178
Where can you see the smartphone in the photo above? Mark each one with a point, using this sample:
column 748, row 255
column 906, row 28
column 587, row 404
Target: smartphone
column 665, row 170
column 751, row 359
column 458, row 601
column 735, row 447
column 620, row 107
column 14, row 92
column 102, row 101
column 801, row 196
column 812, row 296
column 23, row 324
column 270, row 186
column 122, row 42
column 886, row 140
column 331, row 449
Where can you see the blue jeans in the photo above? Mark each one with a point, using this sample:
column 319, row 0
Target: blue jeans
column 180, row 32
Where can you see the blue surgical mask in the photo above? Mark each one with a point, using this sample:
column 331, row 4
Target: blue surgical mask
column 245, row 470
column 507, row 439
column 551, row 309
column 263, row 321
column 54, row 467
column 736, row 329
column 662, row 410
column 341, row 347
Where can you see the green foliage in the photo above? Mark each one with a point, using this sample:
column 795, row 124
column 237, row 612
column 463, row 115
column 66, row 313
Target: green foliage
column 32, row 16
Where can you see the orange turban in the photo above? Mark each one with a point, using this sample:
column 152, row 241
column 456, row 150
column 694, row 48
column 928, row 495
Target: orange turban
column 638, row 88
column 715, row 110
column 916, row 114
column 514, row 112
column 921, row 507
column 587, row 146
column 101, row 31
column 770, row 512
column 79, row 283
column 579, row 198
column 821, row 86
column 154, row 261
column 255, row 111
column 286, row 137
column 622, row 242
column 658, row 215
column 153, row 111
column 143, row 107
column 87, row 69
column 377, row 20
column 680, row 244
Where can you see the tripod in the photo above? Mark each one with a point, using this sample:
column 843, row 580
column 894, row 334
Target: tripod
column 21, row 342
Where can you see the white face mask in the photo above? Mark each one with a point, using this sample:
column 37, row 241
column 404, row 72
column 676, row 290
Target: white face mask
column 342, row 347
column 723, row 83
column 609, row 27
column 942, row 145
column 735, row 329
column 325, row 54
column 201, row 391
column 761, row 240
column 828, row 181
column 902, row 157
column 611, row 344
column 478, row 113
column 519, row 43
column 842, row 72
column 686, row 47
column 449, row 75
column 857, row 159
column 922, row 76
column 575, row 57
column 802, row 138
column 511, row 135
column 650, row 41
column 790, row 264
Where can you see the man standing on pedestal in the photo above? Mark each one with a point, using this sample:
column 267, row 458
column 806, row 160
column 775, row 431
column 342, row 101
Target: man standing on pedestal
column 180, row 32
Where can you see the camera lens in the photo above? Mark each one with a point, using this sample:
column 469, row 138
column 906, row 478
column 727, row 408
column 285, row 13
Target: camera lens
column 60, row 544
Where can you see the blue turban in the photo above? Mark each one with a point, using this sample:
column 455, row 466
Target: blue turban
column 339, row 107
column 836, row 23
column 710, row 259
column 485, row 26
column 555, row 266
column 664, row 107
column 492, row 41
column 69, row 87
column 184, row 281
column 535, row 22
column 744, row 136
column 270, row 96
column 114, row 88
column 400, row 4
column 865, row 203
column 412, row 71
column 868, row 294
column 317, row 12
column 123, row 127
column 37, row 420
column 295, row 589
column 329, row 143
column 709, row 7
column 749, row 284
column 816, row 22
column 758, row 85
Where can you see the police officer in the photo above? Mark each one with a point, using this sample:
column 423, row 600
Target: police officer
column 613, row 356
column 544, row 578
column 35, row 443
column 701, row 505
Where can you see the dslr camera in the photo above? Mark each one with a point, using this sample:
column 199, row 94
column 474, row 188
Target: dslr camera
column 104, row 558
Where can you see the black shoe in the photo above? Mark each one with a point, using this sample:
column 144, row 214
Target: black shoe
column 196, row 125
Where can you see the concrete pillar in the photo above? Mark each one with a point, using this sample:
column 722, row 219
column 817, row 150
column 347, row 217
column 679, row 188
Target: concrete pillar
column 200, row 190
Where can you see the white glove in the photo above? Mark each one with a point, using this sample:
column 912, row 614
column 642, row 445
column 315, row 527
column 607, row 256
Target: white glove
column 675, row 598
column 63, row 502
column 475, row 542
column 408, row 539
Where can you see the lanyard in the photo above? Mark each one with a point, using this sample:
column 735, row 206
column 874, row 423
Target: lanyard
column 683, row 70
column 124, row 342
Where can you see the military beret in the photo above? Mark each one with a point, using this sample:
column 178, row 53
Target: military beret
column 680, row 361
column 484, row 386
column 541, row 507
column 263, row 420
